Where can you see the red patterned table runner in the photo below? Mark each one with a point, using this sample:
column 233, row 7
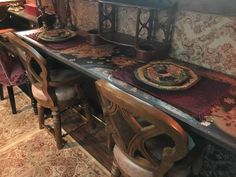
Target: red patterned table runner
column 197, row 100
column 58, row 45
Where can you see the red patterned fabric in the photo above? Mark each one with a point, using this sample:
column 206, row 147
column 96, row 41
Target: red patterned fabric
column 197, row 100
column 11, row 70
column 57, row 46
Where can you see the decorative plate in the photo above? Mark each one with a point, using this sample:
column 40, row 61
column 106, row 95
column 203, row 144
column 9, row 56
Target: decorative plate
column 166, row 76
column 57, row 35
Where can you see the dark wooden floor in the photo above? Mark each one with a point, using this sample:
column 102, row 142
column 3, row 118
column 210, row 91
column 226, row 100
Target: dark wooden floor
column 93, row 140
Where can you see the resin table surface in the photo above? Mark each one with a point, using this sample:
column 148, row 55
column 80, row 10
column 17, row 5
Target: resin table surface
column 98, row 62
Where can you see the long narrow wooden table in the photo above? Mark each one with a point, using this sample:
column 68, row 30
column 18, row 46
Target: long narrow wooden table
column 211, row 133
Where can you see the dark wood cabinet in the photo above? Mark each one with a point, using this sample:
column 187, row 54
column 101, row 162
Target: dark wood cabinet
column 21, row 20
column 145, row 41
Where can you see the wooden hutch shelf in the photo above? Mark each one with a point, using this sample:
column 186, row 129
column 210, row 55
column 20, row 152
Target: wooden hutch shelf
column 158, row 4
column 118, row 38
column 108, row 25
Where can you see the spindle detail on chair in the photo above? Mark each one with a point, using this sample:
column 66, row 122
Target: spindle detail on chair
column 56, row 89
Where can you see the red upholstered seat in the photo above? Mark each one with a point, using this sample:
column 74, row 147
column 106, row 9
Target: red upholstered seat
column 11, row 70
column 11, row 73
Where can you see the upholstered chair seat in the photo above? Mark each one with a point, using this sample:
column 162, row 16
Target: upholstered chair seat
column 130, row 167
column 11, row 70
column 12, row 74
column 62, row 93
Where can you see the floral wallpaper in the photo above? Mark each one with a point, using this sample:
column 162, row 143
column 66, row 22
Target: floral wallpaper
column 203, row 39
column 206, row 40
column 85, row 13
column 127, row 20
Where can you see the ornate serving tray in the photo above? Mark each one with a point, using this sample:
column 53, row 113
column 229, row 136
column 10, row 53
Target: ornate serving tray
column 57, row 35
column 166, row 76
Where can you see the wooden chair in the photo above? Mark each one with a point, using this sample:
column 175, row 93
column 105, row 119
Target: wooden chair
column 12, row 73
column 55, row 89
column 149, row 143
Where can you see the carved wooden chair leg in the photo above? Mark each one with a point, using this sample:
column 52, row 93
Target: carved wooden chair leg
column 12, row 99
column 110, row 141
column 1, row 92
column 115, row 172
column 33, row 101
column 41, row 117
column 57, row 129
column 86, row 109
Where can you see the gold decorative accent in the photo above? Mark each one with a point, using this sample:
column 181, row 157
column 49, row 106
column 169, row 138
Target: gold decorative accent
column 179, row 83
column 57, row 35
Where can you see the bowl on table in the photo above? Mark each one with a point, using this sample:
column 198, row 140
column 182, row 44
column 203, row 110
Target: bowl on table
column 149, row 52
column 94, row 38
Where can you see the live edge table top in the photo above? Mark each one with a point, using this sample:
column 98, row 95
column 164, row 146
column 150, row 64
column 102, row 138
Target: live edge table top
column 82, row 58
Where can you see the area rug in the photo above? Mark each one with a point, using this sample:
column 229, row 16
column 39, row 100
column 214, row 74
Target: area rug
column 26, row 151
column 15, row 127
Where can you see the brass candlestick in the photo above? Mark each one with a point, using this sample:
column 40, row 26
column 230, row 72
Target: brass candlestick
column 69, row 23
column 58, row 23
column 42, row 9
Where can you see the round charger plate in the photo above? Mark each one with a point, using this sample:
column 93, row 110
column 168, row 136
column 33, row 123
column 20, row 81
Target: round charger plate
column 166, row 76
column 57, row 35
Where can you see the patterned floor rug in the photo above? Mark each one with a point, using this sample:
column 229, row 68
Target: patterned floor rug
column 26, row 151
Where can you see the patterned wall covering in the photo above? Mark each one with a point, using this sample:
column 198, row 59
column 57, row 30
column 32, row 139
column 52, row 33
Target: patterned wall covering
column 127, row 20
column 222, row 7
column 85, row 13
column 206, row 40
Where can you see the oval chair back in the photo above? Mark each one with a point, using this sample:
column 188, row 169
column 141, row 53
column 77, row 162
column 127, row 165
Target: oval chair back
column 36, row 67
column 139, row 129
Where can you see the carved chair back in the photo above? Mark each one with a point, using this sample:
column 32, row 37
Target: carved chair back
column 36, row 67
column 133, row 123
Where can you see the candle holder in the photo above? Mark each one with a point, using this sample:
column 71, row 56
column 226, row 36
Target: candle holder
column 69, row 23
column 58, row 23
column 43, row 15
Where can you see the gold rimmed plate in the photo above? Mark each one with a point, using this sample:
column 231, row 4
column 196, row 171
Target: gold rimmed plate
column 166, row 76
column 57, row 35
